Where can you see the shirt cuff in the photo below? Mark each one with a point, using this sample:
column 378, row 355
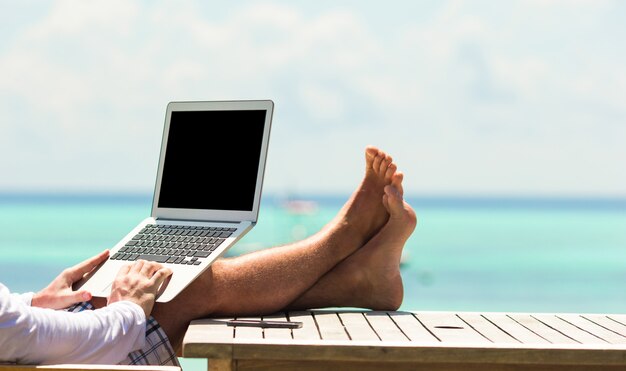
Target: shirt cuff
column 26, row 298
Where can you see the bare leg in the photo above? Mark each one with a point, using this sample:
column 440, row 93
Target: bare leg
column 369, row 278
column 268, row 280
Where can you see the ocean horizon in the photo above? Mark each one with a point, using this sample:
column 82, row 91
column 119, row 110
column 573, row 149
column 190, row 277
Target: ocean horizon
column 468, row 253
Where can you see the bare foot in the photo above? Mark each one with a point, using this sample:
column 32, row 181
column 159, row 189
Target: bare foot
column 370, row 277
column 380, row 282
column 364, row 211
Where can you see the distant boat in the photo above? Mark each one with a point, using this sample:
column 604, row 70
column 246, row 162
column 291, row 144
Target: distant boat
column 300, row 207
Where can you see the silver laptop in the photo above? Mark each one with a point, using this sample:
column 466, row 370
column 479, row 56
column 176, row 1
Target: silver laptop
column 207, row 193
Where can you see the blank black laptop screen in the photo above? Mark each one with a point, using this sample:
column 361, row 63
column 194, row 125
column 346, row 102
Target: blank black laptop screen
column 212, row 160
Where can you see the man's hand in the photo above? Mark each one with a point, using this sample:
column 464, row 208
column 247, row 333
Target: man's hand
column 139, row 283
column 59, row 293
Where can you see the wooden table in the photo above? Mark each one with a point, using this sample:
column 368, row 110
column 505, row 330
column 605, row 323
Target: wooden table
column 367, row 340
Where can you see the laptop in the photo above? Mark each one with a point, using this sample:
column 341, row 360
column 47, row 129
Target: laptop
column 207, row 193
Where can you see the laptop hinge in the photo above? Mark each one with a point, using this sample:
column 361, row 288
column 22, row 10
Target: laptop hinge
column 199, row 221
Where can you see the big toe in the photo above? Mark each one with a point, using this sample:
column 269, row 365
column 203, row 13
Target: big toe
column 393, row 200
column 370, row 154
column 396, row 181
column 399, row 211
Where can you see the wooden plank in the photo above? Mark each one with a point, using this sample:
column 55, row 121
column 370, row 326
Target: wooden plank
column 357, row 326
column 515, row 354
column 208, row 331
column 607, row 323
column 592, row 327
column 329, row 326
column 568, row 329
column 511, row 327
column 274, row 365
column 308, row 331
column 247, row 333
column 449, row 328
column 618, row 317
column 487, row 329
column 384, row 327
column 412, row 328
column 277, row 333
column 541, row 329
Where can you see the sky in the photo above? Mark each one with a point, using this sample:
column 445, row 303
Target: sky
column 485, row 98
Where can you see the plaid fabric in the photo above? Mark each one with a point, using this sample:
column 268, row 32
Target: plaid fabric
column 157, row 352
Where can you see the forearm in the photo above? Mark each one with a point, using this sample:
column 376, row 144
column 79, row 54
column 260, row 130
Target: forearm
column 45, row 336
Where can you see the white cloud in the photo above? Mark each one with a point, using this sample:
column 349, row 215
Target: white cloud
column 72, row 19
column 469, row 90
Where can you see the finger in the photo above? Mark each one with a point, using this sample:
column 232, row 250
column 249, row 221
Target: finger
column 149, row 268
column 124, row 270
column 138, row 265
column 156, row 267
column 79, row 270
column 77, row 297
column 159, row 276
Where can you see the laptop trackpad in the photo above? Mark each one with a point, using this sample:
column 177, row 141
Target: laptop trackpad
column 107, row 289
column 100, row 282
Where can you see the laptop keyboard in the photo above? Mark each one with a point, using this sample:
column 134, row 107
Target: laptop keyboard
column 174, row 244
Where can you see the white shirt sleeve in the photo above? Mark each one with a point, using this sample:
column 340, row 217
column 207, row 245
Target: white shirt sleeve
column 31, row 335
column 26, row 298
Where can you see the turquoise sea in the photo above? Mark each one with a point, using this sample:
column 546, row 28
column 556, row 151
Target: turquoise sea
column 466, row 254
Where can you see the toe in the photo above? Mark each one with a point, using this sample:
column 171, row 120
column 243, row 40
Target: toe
column 370, row 155
column 384, row 164
column 396, row 181
column 391, row 170
column 376, row 163
column 394, row 200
